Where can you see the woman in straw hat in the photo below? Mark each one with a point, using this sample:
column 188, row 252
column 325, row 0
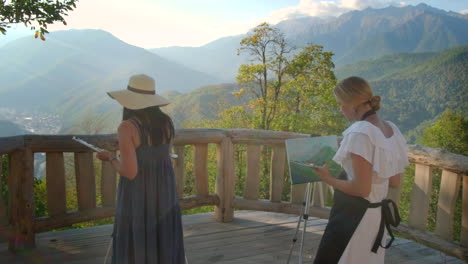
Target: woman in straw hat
column 373, row 156
column 148, row 226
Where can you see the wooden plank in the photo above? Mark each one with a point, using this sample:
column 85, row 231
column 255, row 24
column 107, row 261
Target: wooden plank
column 464, row 227
column 225, row 181
column 278, row 164
column 297, row 193
column 108, row 184
column 252, row 181
column 85, row 180
column 420, row 197
column 55, row 182
column 201, row 169
column 21, row 197
column 179, row 169
column 449, row 188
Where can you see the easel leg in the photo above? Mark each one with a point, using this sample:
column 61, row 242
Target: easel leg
column 303, row 215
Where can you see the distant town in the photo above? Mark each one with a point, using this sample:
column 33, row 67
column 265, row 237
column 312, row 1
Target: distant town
column 33, row 122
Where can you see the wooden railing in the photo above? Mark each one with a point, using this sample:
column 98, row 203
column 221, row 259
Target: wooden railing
column 21, row 224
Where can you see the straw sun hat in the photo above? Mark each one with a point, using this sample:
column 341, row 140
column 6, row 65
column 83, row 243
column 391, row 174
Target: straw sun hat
column 140, row 93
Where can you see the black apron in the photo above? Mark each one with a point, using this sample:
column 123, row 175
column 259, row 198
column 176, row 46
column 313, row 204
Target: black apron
column 345, row 216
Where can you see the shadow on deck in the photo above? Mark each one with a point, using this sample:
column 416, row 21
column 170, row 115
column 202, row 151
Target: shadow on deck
column 253, row 237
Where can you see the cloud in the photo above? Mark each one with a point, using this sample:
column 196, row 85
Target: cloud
column 327, row 8
column 464, row 12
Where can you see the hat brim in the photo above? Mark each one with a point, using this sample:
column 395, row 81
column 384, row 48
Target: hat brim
column 134, row 101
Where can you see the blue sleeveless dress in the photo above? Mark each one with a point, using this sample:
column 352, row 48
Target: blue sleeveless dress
column 148, row 224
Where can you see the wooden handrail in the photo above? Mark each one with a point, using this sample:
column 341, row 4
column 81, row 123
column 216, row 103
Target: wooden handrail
column 20, row 149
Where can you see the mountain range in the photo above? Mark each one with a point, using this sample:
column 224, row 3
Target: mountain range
column 69, row 73
column 352, row 37
column 73, row 69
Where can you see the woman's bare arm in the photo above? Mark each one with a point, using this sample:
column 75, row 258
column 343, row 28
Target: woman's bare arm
column 127, row 166
column 360, row 185
column 395, row 181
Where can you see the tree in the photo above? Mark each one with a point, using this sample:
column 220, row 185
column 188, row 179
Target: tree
column 41, row 12
column 450, row 132
column 307, row 103
column 268, row 48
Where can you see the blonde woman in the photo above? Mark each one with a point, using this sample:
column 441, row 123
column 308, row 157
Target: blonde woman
column 373, row 156
column 148, row 226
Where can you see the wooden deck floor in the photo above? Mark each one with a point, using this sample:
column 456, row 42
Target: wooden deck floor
column 253, row 237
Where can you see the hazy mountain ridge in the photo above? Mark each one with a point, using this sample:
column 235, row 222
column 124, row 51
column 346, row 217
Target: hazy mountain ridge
column 353, row 36
column 78, row 66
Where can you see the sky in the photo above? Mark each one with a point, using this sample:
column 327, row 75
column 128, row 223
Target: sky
column 163, row 23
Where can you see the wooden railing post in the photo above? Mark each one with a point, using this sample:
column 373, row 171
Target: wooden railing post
column 179, row 169
column 420, row 197
column 201, row 169
column 85, row 180
column 55, row 181
column 3, row 208
column 253, row 172
column 464, row 227
column 449, row 187
column 278, row 164
column 108, row 184
column 21, row 199
column 225, row 181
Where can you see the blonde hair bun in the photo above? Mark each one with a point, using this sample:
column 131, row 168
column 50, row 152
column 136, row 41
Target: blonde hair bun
column 375, row 102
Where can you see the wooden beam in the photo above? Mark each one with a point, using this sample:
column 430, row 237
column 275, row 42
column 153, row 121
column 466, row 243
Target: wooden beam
column 201, row 169
column 55, row 183
column 64, row 143
column 197, row 201
column 252, row 180
column 10, row 144
column 278, row 164
column 198, row 136
column 21, row 199
column 85, row 180
column 433, row 241
column 108, row 184
column 438, row 158
column 48, row 223
column 420, row 197
column 449, row 188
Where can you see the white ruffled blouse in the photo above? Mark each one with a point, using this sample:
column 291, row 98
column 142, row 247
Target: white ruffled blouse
column 388, row 156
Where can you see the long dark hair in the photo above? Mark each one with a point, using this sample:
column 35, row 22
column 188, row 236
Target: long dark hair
column 153, row 123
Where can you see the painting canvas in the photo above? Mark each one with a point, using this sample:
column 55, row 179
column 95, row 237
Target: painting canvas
column 314, row 150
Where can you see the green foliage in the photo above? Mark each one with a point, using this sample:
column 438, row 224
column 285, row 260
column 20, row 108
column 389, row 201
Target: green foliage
column 41, row 12
column 416, row 87
column 289, row 94
column 450, row 132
